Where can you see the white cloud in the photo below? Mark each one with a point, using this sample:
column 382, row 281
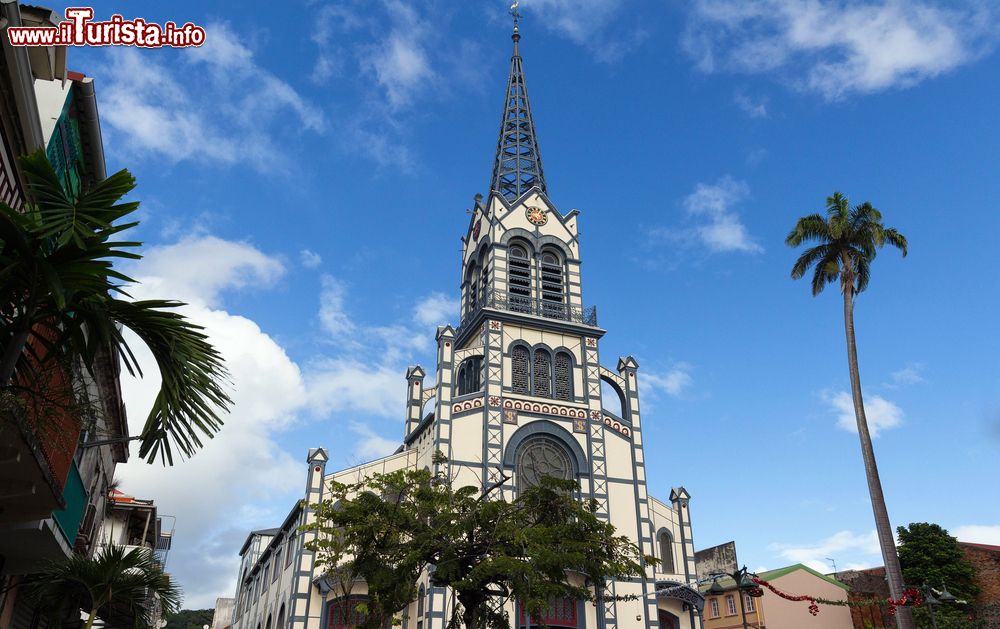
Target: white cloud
column 400, row 61
column 242, row 465
column 850, row 550
column 978, row 533
column 332, row 315
column 310, row 259
column 371, row 445
column 720, row 227
column 588, row 23
column 149, row 110
column 753, row 107
column 674, row 382
column 198, row 269
column 436, row 309
column 910, row 374
column 838, row 48
column 880, row 412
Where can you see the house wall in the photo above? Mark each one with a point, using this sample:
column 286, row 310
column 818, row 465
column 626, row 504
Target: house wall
column 783, row 614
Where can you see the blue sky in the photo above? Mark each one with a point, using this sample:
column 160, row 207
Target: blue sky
column 304, row 179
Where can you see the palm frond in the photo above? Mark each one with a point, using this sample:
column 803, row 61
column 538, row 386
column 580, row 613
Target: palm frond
column 807, row 259
column 827, row 271
column 192, row 372
column 808, row 228
column 896, row 239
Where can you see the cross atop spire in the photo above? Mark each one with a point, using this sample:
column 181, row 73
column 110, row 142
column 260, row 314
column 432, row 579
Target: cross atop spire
column 518, row 164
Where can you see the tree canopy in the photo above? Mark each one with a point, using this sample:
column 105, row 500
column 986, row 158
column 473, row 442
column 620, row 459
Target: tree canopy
column 62, row 298
column 544, row 544
column 930, row 556
column 116, row 584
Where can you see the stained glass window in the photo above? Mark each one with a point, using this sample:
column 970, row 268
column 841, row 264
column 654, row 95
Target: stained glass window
column 343, row 613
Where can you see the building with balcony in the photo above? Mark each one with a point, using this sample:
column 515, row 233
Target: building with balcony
column 59, row 443
column 520, row 390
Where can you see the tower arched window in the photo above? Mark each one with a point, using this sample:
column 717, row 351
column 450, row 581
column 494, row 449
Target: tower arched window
column 484, row 281
column 550, row 271
column 470, row 375
column 666, row 553
column 472, row 288
column 563, row 377
column 542, row 373
column 519, row 279
column 520, row 368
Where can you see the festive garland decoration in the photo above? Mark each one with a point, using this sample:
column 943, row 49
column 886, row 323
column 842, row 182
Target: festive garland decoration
column 911, row 597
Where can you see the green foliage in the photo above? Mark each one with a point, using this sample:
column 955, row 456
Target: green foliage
column 930, row 556
column 848, row 241
column 61, row 298
column 189, row 619
column 116, row 584
column 389, row 528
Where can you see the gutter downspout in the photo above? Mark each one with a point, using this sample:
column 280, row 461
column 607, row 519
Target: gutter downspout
column 90, row 122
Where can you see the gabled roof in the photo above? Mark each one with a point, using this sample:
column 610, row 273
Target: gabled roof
column 770, row 575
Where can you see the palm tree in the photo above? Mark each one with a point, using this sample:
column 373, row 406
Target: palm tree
column 62, row 300
column 847, row 243
column 116, row 583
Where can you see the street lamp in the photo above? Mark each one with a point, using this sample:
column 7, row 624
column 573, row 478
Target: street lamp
column 943, row 597
column 744, row 585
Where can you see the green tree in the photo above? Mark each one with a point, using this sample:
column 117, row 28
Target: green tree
column 931, row 557
column 388, row 528
column 61, row 299
column 846, row 243
column 116, row 584
column 189, row 619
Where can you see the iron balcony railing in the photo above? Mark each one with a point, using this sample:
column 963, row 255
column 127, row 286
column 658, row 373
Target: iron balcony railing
column 523, row 304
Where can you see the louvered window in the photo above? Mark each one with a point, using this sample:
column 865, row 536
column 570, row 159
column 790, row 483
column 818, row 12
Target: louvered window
column 563, row 377
column 484, row 284
column 472, row 288
column 520, row 370
column 519, row 280
column 551, row 272
column 543, row 373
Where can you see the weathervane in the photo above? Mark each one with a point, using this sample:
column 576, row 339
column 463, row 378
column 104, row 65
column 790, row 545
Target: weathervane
column 514, row 13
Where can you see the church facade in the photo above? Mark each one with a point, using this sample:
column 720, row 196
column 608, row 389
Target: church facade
column 516, row 393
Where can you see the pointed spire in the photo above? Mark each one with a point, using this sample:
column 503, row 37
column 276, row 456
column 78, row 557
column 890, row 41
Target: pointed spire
column 518, row 163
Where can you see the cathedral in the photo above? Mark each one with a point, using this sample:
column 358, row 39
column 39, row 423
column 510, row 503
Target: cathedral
column 516, row 392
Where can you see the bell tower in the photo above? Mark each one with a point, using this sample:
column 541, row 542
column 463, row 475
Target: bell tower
column 518, row 389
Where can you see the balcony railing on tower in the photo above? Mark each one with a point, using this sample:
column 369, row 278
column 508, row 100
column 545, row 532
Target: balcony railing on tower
column 525, row 304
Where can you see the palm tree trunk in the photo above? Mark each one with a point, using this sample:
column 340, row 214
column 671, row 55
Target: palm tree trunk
column 90, row 620
column 886, row 539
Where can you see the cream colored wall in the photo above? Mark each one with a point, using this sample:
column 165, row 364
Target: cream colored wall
column 782, row 614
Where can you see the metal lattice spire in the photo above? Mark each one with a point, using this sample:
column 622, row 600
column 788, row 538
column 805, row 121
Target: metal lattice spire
column 518, row 165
